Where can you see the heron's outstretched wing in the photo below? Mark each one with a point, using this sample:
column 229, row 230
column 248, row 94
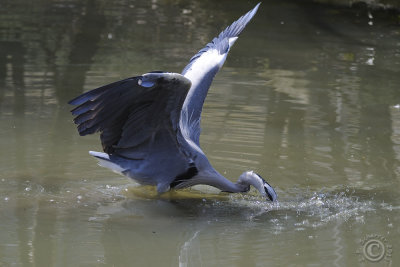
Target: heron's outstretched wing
column 130, row 112
column 202, row 68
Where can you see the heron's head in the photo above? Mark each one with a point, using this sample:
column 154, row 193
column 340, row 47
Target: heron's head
column 252, row 178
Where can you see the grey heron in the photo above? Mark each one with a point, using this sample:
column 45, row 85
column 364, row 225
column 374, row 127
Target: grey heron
column 150, row 124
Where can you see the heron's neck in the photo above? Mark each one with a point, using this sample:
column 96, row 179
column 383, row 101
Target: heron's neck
column 224, row 184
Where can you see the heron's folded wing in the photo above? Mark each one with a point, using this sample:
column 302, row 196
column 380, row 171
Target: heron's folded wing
column 129, row 112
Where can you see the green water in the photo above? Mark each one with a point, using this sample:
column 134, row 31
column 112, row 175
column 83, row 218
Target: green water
column 309, row 98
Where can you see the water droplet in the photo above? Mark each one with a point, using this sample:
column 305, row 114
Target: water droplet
column 370, row 61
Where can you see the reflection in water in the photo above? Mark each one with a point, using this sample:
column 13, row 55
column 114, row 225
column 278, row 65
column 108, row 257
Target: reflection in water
column 308, row 98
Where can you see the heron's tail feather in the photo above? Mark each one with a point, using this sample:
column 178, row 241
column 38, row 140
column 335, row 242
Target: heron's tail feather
column 105, row 161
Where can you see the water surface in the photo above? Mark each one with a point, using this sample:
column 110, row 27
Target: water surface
column 309, row 98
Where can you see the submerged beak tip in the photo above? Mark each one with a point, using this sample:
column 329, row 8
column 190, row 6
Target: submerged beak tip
column 273, row 199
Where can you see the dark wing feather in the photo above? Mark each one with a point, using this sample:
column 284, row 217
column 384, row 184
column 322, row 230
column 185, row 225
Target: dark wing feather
column 128, row 114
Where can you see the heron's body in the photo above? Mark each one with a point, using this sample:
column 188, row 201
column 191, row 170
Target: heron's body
column 150, row 124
